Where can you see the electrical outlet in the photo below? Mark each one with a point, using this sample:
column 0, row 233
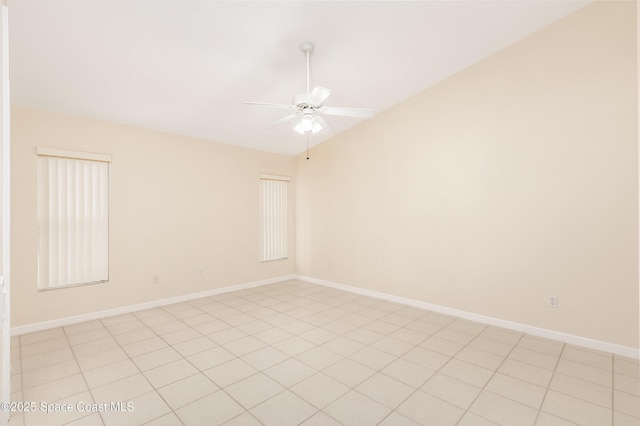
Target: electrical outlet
column 552, row 301
column 155, row 279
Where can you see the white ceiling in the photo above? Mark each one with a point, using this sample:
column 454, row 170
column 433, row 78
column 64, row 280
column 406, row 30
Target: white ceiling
column 185, row 67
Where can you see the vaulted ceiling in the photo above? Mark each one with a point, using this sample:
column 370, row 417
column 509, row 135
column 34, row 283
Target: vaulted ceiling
column 185, row 67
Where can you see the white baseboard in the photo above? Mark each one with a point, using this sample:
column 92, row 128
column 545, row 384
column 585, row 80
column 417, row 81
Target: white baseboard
column 142, row 306
column 535, row 331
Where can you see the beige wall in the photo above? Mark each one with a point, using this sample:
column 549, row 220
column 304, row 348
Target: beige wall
column 511, row 181
column 177, row 205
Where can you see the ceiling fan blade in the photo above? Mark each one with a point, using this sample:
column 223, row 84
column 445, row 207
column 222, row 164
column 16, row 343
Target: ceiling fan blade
column 318, row 95
column 348, row 112
column 270, row 105
column 283, row 120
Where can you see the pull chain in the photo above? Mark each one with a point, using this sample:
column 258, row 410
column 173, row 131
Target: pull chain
column 308, row 145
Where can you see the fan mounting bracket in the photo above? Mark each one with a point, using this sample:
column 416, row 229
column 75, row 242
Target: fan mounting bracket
column 307, row 47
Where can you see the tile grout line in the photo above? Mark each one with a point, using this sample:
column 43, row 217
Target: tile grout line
column 591, row 383
column 24, row 416
column 138, row 368
column 387, row 335
column 182, row 357
column 222, row 389
column 106, row 327
column 285, row 388
column 379, row 371
column 495, row 371
column 245, row 410
column 188, row 326
column 288, row 388
column 613, row 389
column 451, row 357
column 342, row 357
column 553, row 373
column 235, row 357
column 84, row 379
column 318, row 410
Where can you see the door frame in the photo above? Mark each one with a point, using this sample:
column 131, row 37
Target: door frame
column 5, row 121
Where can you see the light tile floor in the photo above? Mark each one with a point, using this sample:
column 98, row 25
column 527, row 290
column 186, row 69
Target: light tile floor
column 296, row 353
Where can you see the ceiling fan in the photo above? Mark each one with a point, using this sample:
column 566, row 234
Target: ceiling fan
column 309, row 107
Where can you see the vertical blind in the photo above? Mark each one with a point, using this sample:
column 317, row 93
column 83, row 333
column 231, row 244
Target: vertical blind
column 274, row 221
column 73, row 219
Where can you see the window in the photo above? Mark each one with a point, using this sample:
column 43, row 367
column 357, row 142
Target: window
column 73, row 218
column 273, row 213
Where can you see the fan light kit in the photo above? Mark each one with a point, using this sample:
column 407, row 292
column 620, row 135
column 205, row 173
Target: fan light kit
column 307, row 107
